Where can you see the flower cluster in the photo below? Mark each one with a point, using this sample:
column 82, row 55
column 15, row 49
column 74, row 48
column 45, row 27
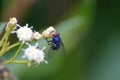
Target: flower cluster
column 34, row 54
column 26, row 35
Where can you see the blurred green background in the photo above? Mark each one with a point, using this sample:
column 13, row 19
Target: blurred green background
column 90, row 32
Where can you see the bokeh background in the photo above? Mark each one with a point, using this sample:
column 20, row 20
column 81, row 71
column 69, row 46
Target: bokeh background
column 90, row 31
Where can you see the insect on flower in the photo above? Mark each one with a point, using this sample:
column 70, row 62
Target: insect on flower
column 56, row 45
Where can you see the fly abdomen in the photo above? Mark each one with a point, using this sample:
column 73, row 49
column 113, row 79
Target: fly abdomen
column 55, row 46
column 56, row 39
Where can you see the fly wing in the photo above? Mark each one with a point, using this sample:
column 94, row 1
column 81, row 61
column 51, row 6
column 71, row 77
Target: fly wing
column 61, row 50
column 51, row 53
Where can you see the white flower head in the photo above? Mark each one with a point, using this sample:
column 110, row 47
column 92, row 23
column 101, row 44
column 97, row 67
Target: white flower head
column 32, row 53
column 36, row 35
column 24, row 33
column 48, row 32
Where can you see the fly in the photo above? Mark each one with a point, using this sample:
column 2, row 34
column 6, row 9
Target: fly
column 56, row 45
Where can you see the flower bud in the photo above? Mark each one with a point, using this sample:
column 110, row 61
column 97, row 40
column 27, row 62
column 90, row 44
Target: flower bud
column 11, row 24
column 48, row 32
column 36, row 35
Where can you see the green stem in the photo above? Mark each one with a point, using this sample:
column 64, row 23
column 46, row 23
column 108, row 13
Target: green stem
column 1, row 42
column 16, row 61
column 13, row 45
column 17, row 52
column 6, row 39
column 4, row 49
column 4, row 43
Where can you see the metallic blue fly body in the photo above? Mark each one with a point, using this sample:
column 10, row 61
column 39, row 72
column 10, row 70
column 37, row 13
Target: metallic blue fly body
column 56, row 45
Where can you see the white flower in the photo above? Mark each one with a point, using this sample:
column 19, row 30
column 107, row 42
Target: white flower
column 34, row 54
column 24, row 33
column 48, row 32
column 36, row 35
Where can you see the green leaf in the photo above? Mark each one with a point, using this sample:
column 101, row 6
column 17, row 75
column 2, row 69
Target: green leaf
column 72, row 30
column 2, row 26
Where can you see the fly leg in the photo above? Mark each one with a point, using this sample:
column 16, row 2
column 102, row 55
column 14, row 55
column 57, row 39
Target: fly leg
column 49, row 42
